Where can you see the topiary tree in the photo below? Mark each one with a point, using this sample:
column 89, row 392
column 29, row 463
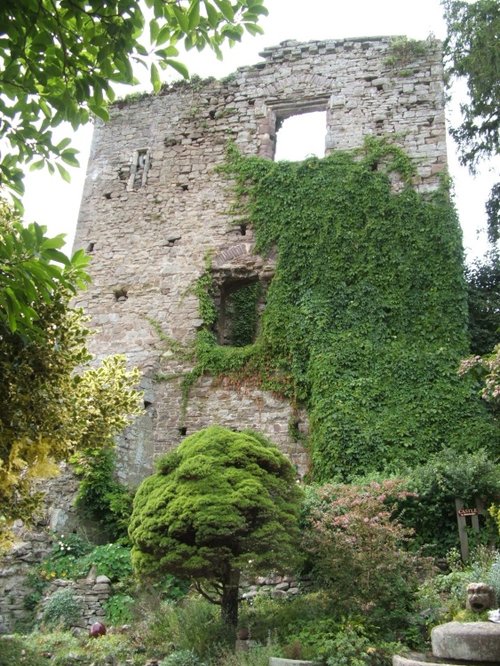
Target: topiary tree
column 223, row 501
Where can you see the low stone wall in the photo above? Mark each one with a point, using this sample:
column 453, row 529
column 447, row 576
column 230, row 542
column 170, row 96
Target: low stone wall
column 33, row 544
column 276, row 586
column 91, row 594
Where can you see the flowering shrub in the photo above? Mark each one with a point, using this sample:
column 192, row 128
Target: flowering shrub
column 487, row 370
column 358, row 551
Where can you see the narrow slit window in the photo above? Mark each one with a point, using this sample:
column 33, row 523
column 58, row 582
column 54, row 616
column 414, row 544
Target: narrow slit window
column 139, row 168
column 301, row 136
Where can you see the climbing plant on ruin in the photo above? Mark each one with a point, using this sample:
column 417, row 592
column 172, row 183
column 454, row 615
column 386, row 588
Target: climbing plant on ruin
column 365, row 321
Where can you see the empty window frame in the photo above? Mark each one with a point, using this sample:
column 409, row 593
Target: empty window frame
column 301, row 136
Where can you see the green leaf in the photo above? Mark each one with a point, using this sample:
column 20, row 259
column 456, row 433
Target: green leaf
column 253, row 29
column 226, row 9
column 194, row 14
column 63, row 173
column 68, row 156
column 80, row 259
column 100, row 111
column 182, row 18
column 212, row 15
column 154, row 29
column 53, row 243
column 55, row 255
column 163, row 35
column 36, row 166
column 179, row 67
column 155, row 78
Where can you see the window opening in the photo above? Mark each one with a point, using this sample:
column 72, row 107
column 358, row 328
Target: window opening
column 301, row 136
column 139, row 168
column 239, row 308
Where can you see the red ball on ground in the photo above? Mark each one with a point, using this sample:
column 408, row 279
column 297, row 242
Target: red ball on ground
column 97, row 629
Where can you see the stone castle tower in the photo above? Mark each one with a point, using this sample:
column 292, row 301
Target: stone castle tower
column 154, row 205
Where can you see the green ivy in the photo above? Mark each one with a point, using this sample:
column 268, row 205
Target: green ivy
column 101, row 497
column 241, row 310
column 365, row 319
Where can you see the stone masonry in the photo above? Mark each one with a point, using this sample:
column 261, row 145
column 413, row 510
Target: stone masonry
column 154, row 205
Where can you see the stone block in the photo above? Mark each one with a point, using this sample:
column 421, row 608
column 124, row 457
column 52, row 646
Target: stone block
column 278, row 661
column 468, row 641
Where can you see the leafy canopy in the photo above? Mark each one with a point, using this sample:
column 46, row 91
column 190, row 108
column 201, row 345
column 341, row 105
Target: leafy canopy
column 472, row 53
column 223, row 501
column 32, row 270
column 483, row 286
column 59, row 59
column 48, row 409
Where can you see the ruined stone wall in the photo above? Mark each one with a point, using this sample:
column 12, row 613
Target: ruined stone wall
column 154, row 205
column 33, row 544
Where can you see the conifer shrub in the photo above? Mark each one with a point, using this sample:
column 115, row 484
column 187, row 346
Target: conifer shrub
column 222, row 502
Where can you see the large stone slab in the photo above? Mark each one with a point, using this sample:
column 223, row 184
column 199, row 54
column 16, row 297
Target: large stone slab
column 278, row 661
column 415, row 659
column 470, row 641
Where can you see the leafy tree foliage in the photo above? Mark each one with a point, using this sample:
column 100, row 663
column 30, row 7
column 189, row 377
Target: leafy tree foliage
column 431, row 512
column 486, row 370
column 32, row 270
column 472, row 52
column 48, row 410
column 222, row 502
column 59, row 59
column 483, row 285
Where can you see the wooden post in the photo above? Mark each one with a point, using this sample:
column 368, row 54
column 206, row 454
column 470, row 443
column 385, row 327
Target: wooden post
column 462, row 515
column 462, row 531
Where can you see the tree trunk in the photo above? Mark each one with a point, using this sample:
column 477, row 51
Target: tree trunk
column 229, row 603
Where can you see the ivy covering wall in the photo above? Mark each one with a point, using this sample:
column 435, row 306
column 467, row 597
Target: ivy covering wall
column 365, row 320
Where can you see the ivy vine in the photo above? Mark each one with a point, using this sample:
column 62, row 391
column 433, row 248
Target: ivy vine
column 365, row 320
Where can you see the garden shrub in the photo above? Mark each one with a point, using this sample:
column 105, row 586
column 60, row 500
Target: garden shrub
column 15, row 652
column 72, row 558
column 119, row 609
column 256, row 656
column 431, row 511
column 357, row 551
column 442, row 598
column 101, row 497
column 62, row 609
column 353, row 647
column 283, row 619
column 182, row 658
column 64, row 560
column 190, row 624
column 64, row 649
column 111, row 560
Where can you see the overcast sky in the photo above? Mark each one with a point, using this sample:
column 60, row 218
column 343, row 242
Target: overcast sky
column 52, row 202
